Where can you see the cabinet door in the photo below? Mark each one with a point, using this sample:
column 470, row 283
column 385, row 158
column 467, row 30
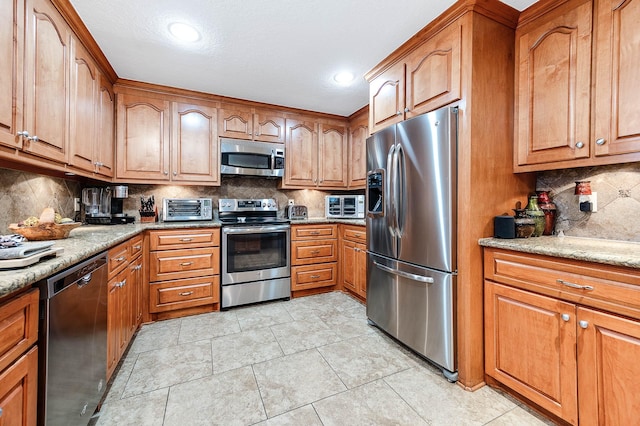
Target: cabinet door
column 19, row 391
column 11, row 71
column 617, row 60
column 105, row 140
column 530, row 347
column 553, row 88
column 301, row 154
column 608, row 368
column 268, row 127
column 235, row 123
column 46, row 113
column 349, row 265
column 386, row 98
column 83, row 101
column 194, row 144
column 142, row 138
column 358, row 134
column 433, row 72
column 332, row 156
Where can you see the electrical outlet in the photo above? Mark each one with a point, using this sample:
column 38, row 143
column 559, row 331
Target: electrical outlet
column 76, row 204
column 291, row 202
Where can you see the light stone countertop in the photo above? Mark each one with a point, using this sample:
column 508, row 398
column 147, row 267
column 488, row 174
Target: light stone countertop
column 610, row 252
column 88, row 240
column 83, row 242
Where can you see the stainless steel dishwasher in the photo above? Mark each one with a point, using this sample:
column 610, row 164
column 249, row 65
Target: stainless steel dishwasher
column 73, row 343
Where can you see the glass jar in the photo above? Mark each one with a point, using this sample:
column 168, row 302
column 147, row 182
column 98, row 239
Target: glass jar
column 534, row 211
column 549, row 209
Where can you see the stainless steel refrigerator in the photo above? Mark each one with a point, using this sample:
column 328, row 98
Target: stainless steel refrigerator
column 411, row 234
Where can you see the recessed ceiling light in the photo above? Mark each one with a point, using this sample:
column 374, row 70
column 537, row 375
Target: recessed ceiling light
column 184, row 32
column 344, row 77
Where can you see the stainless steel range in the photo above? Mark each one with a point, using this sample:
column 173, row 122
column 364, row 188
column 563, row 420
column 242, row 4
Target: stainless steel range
column 256, row 258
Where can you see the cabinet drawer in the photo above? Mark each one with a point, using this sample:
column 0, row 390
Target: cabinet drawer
column 601, row 286
column 167, row 240
column 358, row 235
column 135, row 246
column 308, row 252
column 180, row 294
column 18, row 326
column 310, row 232
column 313, row 276
column 117, row 258
column 176, row 264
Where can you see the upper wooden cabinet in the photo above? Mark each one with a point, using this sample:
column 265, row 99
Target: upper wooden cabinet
column 144, row 142
column 85, row 82
column 142, row 138
column 105, row 140
column 249, row 123
column 194, row 144
column 316, row 155
column 357, row 169
column 11, row 71
column 560, row 122
column 46, row 93
column 427, row 78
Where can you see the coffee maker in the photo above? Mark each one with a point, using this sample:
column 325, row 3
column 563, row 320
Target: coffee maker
column 103, row 206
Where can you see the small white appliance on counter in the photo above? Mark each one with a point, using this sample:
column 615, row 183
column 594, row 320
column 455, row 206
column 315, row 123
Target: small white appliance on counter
column 344, row 206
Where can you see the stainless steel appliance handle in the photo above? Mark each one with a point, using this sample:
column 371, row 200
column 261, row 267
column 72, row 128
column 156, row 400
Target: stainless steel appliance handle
column 414, row 277
column 255, row 229
column 400, row 190
column 390, row 191
column 273, row 160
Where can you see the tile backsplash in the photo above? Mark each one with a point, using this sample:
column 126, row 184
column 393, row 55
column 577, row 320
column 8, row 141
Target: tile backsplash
column 25, row 194
column 618, row 193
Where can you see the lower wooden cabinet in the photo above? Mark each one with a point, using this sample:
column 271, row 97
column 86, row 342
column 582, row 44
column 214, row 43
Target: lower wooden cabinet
column 353, row 259
column 549, row 337
column 19, row 359
column 184, row 271
column 314, row 257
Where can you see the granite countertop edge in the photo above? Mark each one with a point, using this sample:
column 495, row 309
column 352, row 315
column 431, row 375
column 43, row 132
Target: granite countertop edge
column 89, row 240
column 610, row 252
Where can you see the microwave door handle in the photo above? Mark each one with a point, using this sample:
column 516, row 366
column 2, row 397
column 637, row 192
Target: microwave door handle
column 273, row 160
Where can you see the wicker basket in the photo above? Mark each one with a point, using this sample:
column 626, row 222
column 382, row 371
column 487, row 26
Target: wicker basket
column 44, row 231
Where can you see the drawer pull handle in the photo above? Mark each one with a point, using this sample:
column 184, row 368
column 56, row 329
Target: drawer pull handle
column 186, row 264
column 137, row 267
column 315, row 277
column 186, row 240
column 185, row 293
column 121, row 284
column 314, row 252
column 573, row 285
column 314, row 233
column 565, row 317
column 137, row 247
column 120, row 259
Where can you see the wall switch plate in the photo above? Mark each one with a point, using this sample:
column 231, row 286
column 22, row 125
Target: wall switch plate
column 76, row 204
column 291, row 202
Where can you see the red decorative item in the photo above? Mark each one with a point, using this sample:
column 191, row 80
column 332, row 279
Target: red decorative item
column 550, row 212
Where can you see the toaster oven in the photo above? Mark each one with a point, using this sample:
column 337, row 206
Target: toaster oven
column 344, row 206
column 187, row 209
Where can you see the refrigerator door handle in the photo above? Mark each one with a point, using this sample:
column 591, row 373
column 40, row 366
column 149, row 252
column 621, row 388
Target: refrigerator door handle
column 390, row 190
column 414, row 277
column 400, row 191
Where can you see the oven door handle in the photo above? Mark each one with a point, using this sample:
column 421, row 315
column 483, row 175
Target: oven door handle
column 255, row 229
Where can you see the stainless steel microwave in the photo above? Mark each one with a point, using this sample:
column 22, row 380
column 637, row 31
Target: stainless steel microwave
column 249, row 158
column 344, row 206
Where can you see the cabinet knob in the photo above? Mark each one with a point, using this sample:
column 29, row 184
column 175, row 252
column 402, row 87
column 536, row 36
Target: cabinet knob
column 407, row 110
column 583, row 324
column 579, row 144
column 566, row 317
column 33, row 138
column 600, row 141
column 399, row 113
column 175, row 173
column 23, row 133
column 166, row 172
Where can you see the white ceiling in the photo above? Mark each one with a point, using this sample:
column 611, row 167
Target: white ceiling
column 282, row 52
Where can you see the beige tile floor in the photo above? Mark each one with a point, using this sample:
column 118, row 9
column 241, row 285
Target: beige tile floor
column 308, row 361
